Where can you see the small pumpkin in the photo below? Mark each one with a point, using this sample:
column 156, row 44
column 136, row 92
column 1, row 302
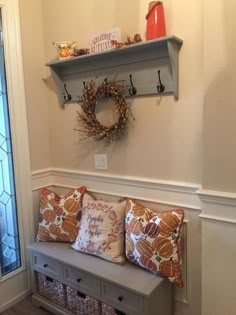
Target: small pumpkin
column 135, row 226
column 144, row 248
column 58, row 210
column 163, row 246
column 148, row 263
column 70, row 224
column 149, row 215
column 43, row 233
column 73, row 234
column 54, row 229
column 169, row 222
column 129, row 245
column 64, row 52
column 43, row 202
column 151, row 229
column 72, row 205
column 169, row 268
column 49, row 215
column 138, row 210
column 179, row 213
column 54, row 201
column 63, row 237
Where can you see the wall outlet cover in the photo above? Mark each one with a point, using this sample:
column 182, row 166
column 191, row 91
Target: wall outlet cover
column 101, row 161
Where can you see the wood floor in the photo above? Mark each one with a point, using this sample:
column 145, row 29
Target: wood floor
column 25, row 307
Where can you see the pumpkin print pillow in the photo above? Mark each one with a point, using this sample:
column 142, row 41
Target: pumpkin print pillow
column 59, row 216
column 102, row 229
column 153, row 240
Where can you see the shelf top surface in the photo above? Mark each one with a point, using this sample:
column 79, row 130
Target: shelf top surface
column 154, row 43
column 128, row 275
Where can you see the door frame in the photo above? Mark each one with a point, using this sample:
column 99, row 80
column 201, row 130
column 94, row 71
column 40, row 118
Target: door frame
column 17, row 280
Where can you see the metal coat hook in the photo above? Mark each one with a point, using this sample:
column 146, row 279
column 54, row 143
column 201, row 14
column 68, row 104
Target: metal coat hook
column 160, row 86
column 132, row 89
column 105, row 82
column 67, row 97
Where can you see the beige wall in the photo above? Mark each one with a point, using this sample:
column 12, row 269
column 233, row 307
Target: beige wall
column 219, row 100
column 164, row 142
column 35, row 87
column 218, row 268
column 219, row 151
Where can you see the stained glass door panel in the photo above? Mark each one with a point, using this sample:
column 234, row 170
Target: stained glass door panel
column 9, row 236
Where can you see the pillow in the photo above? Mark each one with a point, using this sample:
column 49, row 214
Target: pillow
column 58, row 216
column 153, row 240
column 102, row 229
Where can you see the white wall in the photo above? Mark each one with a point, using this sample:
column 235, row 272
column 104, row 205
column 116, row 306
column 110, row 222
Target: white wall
column 218, row 273
column 219, row 150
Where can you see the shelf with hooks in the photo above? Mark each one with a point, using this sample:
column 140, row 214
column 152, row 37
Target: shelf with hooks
column 146, row 68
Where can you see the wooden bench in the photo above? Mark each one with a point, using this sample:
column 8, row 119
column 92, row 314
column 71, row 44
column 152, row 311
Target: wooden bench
column 128, row 288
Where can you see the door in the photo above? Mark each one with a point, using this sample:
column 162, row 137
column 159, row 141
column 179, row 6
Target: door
column 15, row 175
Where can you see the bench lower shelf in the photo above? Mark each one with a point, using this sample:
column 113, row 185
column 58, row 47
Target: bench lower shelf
column 40, row 301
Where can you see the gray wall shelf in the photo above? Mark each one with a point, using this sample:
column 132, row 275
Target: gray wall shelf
column 144, row 61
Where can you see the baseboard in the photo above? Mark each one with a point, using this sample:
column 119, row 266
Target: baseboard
column 15, row 300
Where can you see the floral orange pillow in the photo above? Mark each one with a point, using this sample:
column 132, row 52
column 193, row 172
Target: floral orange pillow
column 102, row 229
column 58, row 216
column 153, row 240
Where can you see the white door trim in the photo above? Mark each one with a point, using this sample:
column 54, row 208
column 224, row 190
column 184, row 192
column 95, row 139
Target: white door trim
column 18, row 121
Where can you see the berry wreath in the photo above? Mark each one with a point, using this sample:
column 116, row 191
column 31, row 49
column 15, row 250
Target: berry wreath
column 91, row 126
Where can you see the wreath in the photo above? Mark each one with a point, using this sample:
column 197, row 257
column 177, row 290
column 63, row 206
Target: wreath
column 91, row 127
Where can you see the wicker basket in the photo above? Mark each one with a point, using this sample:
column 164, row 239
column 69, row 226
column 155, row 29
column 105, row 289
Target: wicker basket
column 108, row 310
column 52, row 289
column 81, row 304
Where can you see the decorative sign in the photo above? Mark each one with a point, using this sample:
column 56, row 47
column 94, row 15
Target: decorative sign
column 105, row 40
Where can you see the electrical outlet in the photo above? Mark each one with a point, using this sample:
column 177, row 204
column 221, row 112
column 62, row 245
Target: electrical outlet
column 101, row 161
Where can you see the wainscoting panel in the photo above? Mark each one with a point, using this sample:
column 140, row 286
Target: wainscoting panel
column 151, row 192
column 201, row 207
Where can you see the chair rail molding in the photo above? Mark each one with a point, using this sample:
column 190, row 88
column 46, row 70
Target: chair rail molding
column 160, row 191
column 214, row 205
column 218, row 205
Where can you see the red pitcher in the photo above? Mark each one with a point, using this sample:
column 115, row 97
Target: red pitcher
column 155, row 20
